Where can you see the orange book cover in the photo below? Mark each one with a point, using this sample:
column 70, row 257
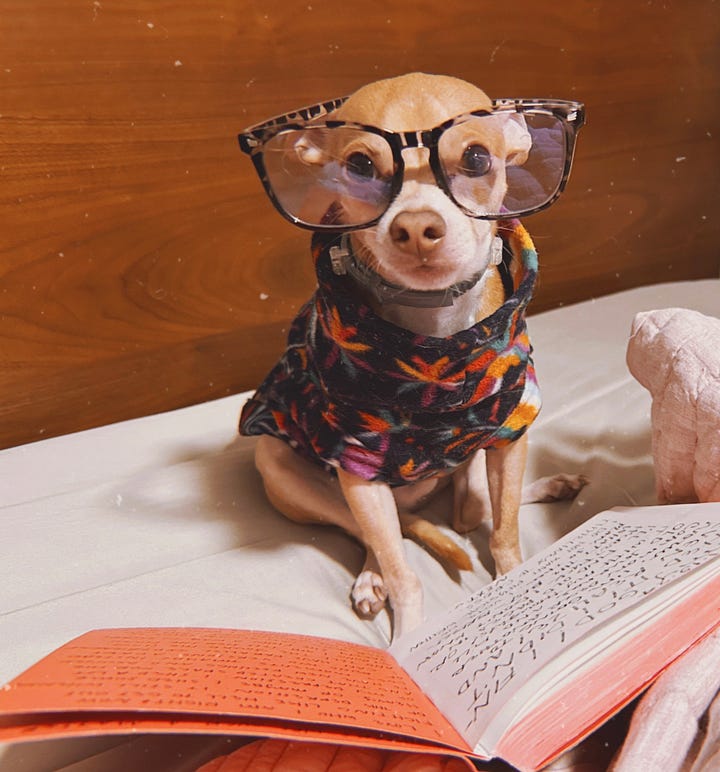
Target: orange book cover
column 518, row 670
column 222, row 680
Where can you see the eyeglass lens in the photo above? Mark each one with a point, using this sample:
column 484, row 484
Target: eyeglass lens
column 504, row 164
column 334, row 176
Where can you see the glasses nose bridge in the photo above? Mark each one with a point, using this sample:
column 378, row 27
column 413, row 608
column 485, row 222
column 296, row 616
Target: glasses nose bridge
column 409, row 140
column 420, row 145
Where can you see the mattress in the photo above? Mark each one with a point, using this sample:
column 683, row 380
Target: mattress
column 163, row 521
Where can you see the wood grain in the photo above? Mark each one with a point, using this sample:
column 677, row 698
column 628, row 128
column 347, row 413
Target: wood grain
column 141, row 267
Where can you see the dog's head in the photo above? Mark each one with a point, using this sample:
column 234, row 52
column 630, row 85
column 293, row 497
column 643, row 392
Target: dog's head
column 424, row 240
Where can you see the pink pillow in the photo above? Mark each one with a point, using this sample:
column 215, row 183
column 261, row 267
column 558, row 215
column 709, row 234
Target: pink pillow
column 675, row 354
column 284, row 756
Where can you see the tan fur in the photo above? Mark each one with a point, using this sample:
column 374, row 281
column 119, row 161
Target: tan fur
column 423, row 241
column 412, row 102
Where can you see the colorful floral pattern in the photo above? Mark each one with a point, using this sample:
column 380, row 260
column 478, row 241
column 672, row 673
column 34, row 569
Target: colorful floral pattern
column 357, row 392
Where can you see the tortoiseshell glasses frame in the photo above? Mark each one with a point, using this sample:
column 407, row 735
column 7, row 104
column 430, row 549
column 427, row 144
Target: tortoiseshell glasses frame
column 558, row 119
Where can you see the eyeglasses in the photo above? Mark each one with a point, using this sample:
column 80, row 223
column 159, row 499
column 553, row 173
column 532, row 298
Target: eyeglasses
column 510, row 161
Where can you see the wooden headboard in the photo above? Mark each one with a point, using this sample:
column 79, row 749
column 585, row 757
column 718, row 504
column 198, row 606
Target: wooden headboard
column 141, row 266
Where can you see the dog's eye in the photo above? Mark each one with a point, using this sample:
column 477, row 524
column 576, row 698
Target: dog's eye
column 475, row 161
column 361, row 165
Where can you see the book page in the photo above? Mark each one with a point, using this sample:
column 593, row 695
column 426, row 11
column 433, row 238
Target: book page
column 217, row 672
column 473, row 661
column 612, row 680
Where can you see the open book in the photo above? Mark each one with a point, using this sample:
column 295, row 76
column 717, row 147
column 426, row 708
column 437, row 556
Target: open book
column 521, row 670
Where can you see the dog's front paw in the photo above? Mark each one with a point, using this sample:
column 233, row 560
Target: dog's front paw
column 369, row 594
column 557, row 487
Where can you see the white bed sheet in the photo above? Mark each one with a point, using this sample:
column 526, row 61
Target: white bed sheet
column 163, row 521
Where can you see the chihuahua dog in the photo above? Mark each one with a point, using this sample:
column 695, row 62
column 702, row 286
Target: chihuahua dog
column 410, row 367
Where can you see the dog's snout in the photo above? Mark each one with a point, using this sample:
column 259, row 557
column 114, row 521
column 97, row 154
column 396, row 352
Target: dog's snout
column 417, row 232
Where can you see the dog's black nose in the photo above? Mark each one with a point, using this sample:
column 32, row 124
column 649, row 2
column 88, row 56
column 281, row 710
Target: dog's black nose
column 417, row 232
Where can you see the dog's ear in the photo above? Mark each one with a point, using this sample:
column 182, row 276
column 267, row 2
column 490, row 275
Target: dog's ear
column 517, row 139
column 308, row 153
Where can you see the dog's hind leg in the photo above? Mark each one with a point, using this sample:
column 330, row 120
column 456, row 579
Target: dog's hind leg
column 303, row 492
column 558, row 487
column 472, row 496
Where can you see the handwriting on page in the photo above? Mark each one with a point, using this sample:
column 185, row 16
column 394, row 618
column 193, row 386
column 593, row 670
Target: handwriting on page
column 229, row 672
column 498, row 637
